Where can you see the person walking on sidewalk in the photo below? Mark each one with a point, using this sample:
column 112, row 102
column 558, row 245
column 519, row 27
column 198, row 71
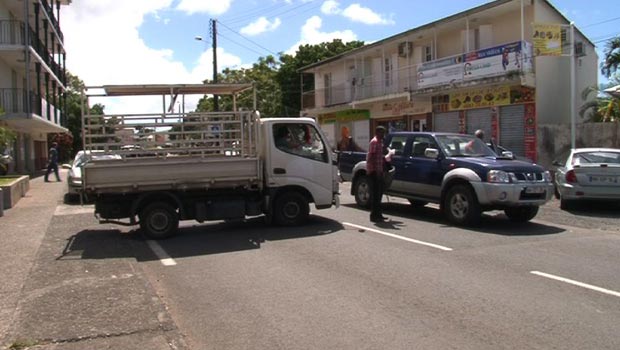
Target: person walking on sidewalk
column 53, row 162
column 375, row 160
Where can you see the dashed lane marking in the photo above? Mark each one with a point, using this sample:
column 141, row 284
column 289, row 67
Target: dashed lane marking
column 576, row 283
column 164, row 258
column 432, row 245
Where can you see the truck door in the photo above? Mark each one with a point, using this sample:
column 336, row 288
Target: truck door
column 300, row 156
column 422, row 173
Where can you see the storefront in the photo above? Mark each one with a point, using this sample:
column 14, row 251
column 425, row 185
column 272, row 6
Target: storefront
column 504, row 113
column 411, row 115
column 351, row 122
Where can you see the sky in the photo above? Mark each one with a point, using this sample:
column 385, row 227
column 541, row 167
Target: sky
column 154, row 41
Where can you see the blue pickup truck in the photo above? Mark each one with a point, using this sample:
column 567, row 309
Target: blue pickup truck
column 459, row 172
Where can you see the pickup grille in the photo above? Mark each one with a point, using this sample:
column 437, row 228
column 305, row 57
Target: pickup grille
column 529, row 177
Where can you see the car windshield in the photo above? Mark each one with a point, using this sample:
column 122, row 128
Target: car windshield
column 464, row 146
column 596, row 157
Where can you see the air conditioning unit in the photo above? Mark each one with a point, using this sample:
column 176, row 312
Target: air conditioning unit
column 580, row 49
column 405, row 48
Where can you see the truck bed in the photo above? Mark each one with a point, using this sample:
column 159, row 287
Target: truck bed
column 178, row 173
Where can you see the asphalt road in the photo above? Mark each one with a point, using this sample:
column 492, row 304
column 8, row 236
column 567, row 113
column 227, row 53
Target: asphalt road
column 341, row 282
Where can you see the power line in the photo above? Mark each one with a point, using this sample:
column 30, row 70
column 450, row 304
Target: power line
column 273, row 15
column 253, row 42
column 252, row 13
column 241, row 45
column 601, row 22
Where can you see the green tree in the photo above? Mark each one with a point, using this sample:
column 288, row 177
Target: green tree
column 612, row 57
column 288, row 75
column 605, row 107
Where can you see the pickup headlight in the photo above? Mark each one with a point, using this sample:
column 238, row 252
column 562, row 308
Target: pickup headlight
column 547, row 176
column 498, row 176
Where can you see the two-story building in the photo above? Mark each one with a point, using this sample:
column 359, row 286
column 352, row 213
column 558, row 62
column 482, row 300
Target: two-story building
column 478, row 69
column 32, row 78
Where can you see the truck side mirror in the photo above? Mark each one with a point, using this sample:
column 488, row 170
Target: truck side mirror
column 431, row 153
column 508, row 154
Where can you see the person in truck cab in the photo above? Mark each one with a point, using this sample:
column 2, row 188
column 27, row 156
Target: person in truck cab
column 474, row 146
column 375, row 161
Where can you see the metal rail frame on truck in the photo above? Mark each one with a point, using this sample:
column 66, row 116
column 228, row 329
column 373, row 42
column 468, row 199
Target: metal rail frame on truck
column 176, row 165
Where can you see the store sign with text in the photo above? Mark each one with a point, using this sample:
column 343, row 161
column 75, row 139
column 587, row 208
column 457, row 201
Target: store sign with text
column 547, row 39
column 480, row 98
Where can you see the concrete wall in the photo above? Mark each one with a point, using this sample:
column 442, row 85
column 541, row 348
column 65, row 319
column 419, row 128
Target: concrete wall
column 554, row 140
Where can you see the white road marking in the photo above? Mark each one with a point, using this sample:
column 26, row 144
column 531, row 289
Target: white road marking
column 64, row 209
column 398, row 237
column 165, row 259
column 576, row 283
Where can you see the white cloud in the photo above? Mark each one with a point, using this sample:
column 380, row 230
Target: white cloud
column 261, row 25
column 331, row 7
column 358, row 13
column 212, row 7
column 100, row 53
column 311, row 34
column 355, row 12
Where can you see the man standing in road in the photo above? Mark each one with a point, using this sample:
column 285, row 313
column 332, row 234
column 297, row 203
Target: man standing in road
column 53, row 162
column 374, row 167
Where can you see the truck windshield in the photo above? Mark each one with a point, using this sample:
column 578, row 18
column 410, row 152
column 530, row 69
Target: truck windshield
column 464, row 146
column 300, row 139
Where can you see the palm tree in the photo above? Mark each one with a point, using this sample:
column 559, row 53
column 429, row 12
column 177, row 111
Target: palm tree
column 612, row 57
column 605, row 107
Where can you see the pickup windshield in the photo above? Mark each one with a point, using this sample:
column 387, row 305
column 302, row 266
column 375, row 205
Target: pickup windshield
column 464, row 146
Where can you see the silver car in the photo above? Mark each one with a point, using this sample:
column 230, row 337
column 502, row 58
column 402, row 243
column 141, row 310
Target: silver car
column 588, row 173
column 74, row 179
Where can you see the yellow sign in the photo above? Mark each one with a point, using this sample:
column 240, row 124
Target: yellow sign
column 480, row 98
column 547, row 39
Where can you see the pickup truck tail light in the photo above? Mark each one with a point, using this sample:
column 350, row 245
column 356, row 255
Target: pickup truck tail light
column 571, row 177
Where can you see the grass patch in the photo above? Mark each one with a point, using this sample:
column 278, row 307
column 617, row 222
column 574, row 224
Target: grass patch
column 5, row 180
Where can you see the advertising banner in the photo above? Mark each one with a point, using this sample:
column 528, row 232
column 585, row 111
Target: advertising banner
column 493, row 61
column 480, row 98
column 440, row 72
column 547, row 39
column 530, row 131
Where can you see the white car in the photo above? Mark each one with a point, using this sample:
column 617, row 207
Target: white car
column 588, row 173
column 74, row 179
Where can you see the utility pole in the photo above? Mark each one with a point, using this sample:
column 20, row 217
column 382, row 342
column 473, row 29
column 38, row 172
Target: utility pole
column 216, row 105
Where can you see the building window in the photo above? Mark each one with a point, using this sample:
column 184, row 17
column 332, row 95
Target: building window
column 388, row 72
column 327, row 85
column 428, row 53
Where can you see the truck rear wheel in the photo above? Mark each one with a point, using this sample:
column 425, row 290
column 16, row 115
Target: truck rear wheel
column 159, row 220
column 461, row 206
column 291, row 209
column 521, row 214
column 361, row 191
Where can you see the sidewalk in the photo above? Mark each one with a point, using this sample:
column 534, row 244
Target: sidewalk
column 51, row 301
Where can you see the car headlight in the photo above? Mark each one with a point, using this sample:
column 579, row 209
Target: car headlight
column 498, row 176
column 547, row 176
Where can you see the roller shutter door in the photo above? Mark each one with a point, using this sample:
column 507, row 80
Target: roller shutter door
column 479, row 119
column 512, row 128
column 446, row 122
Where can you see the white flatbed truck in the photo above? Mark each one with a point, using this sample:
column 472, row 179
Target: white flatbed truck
column 176, row 165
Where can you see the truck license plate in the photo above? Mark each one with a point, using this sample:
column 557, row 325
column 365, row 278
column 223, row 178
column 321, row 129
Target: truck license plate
column 534, row 189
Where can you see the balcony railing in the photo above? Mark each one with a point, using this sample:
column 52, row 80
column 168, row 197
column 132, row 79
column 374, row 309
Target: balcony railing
column 12, row 33
column 16, row 101
column 52, row 17
column 503, row 61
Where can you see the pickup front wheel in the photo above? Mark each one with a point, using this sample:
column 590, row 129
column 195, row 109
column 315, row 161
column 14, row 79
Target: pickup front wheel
column 521, row 214
column 291, row 209
column 361, row 191
column 461, row 206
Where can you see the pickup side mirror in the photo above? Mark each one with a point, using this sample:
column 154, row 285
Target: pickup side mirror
column 431, row 153
column 508, row 154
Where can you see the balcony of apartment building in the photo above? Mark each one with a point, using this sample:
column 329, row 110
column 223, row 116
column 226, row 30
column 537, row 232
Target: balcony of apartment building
column 483, row 46
column 508, row 63
column 33, row 83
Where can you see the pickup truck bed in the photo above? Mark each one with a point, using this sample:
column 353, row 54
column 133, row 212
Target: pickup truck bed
column 163, row 173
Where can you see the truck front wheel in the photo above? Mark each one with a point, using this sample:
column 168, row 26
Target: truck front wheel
column 521, row 214
column 291, row 209
column 461, row 206
column 361, row 190
column 159, row 220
